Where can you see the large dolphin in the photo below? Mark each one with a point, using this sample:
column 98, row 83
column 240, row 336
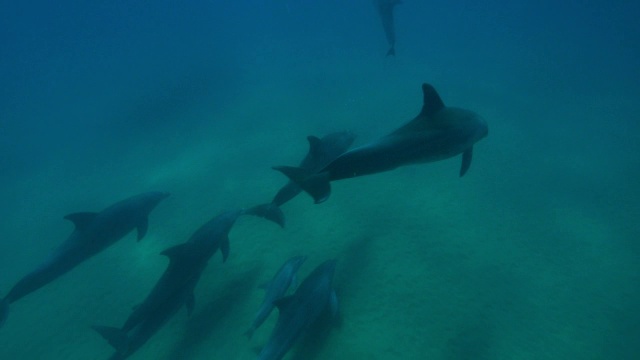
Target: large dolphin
column 385, row 10
column 93, row 233
column 175, row 287
column 322, row 151
column 438, row 132
column 276, row 289
column 300, row 310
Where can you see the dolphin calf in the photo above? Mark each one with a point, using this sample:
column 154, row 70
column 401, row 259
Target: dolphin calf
column 385, row 10
column 175, row 287
column 438, row 132
column 275, row 289
column 300, row 310
column 93, row 233
column 322, row 151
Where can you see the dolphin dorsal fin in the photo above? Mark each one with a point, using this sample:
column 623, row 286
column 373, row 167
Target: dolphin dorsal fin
column 314, row 144
column 81, row 219
column 432, row 102
column 177, row 252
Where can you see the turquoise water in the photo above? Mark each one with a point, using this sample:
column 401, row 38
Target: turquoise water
column 532, row 255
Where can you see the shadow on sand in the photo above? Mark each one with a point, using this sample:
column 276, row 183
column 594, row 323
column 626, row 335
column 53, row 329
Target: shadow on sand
column 203, row 325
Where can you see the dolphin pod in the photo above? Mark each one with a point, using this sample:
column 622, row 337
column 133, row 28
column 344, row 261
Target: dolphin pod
column 438, row 132
column 276, row 289
column 301, row 310
column 175, row 287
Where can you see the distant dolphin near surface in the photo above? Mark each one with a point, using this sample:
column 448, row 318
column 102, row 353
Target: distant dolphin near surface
column 301, row 310
column 93, row 233
column 275, row 289
column 385, row 10
column 322, row 151
column 438, row 132
column 175, row 287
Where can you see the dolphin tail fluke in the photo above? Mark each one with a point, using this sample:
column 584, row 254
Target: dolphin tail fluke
column 316, row 185
column 391, row 52
column 116, row 337
column 268, row 211
column 4, row 311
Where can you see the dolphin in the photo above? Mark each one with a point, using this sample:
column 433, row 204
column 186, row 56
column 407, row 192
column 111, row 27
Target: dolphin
column 93, row 233
column 300, row 310
column 322, row 151
column 385, row 10
column 175, row 287
column 275, row 289
column 438, row 132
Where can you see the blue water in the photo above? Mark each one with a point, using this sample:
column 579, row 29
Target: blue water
column 532, row 255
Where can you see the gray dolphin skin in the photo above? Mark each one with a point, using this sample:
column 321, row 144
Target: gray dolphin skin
column 93, row 233
column 437, row 133
column 385, row 10
column 276, row 289
column 300, row 310
column 175, row 287
column 322, row 151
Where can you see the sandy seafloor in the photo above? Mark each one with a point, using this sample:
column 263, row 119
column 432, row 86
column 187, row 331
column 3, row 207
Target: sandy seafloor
column 532, row 255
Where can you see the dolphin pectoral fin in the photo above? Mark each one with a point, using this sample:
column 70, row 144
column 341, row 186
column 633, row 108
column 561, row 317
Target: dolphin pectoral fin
column 466, row 161
column 333, row 304
column 268, row 211
column 81, row 219
column 319, row 187
column 224, row 248
column 191, row 304
column 316, row 185
column 142, row 228
column 4, row 311
column 116, row 337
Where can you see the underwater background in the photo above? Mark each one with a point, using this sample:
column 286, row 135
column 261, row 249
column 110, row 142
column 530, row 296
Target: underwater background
column 534, row 254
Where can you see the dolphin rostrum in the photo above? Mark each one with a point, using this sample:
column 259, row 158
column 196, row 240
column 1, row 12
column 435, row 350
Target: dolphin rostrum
column 301, row 310
column 93, row 233
column 275, row 289
column 438, row 132
column 175, row 287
